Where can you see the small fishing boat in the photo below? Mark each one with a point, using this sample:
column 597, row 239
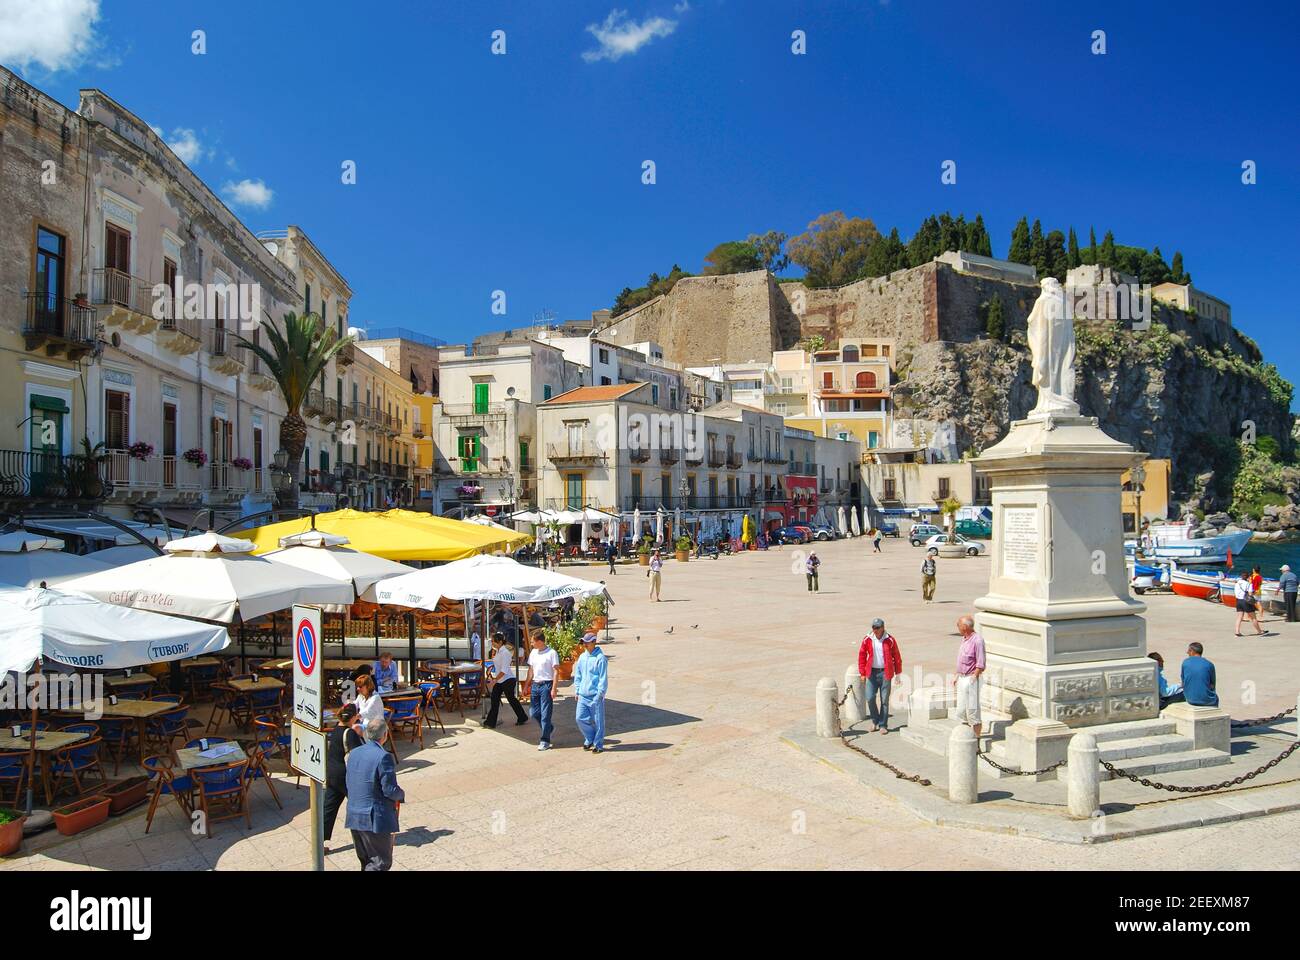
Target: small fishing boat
column 1269, row 592
column 1170, row 541
column 1199, row 586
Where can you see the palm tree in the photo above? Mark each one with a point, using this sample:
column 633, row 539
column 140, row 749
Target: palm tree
column 295, row 360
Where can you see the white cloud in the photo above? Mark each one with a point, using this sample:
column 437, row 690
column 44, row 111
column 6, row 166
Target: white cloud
column 185, row 145
column 51, row 34
column 682, row 7
column 618, row 36
column 249, row 193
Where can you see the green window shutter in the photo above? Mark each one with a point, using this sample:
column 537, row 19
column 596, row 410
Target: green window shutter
column 49, row 404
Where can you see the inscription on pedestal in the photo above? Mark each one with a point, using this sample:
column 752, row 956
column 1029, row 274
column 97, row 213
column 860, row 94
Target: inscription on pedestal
column 1130, row 682
column 1021, row 543
column 1076, row 688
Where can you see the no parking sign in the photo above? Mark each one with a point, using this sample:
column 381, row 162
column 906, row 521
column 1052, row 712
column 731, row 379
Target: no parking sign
column 307, row 685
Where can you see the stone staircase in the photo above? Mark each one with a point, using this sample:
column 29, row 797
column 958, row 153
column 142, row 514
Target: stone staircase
column 933, row 736
column 1143, row 748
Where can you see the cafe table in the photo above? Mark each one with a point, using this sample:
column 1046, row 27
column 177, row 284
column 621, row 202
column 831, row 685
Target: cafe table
column 141, row 711
column 200, row 662
column 452, row 671
column 48, row 742
column 134, row 681
column 246, row 685
column 191, row 758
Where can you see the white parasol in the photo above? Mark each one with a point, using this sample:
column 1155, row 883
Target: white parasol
column 495, row 578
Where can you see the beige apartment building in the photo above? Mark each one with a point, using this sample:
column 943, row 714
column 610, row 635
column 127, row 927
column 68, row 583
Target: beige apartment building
column 122, row 297
column 484, row 423
column 1187, row 297
column 849, row 392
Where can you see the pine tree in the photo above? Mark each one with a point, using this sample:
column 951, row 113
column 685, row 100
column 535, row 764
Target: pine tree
column 1072, row 256
column 1018, row 252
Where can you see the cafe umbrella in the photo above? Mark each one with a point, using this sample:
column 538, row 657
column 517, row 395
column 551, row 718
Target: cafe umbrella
column 216, row 578
column 28, row 559
column 80, row 631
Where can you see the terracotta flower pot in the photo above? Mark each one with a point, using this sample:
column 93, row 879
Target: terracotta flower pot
column 683, row 555
column 598, row 623
column 643, row 559
column 125, row 794
column 565, row 670
column 81, row 815
column 11, row 836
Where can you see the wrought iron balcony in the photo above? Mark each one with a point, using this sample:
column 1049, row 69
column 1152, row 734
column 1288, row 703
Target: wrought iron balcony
column 38, row 476
column 129, row 299
column 563, row 454
column 669, row 455
column 59, row 326
column 222, row 348
column 639, row 454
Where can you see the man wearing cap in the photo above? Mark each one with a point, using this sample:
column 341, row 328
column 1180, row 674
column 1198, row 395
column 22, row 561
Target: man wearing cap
column 878, row 663
column 590, row 681
column 1288, row 583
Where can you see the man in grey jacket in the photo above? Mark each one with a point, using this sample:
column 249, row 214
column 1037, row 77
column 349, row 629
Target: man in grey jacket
column 373, row 798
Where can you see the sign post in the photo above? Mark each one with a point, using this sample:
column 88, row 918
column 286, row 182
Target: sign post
column 308, row 753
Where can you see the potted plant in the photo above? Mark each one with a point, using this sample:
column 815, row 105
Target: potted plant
column 683, row 548
column 596, row 610
column 242, row 463
column 84, row 478
column 643, row 553
column 126, row 794
column 195, row 455
column 140, row 450
column 563, row 639
column 81, row 815
column 11, row 831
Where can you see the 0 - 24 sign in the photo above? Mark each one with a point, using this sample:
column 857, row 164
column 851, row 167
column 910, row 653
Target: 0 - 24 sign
column 307, row 752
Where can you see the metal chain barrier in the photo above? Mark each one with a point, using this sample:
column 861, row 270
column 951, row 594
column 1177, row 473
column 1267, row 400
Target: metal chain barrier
column 912, row 777
column 1209, row 787
column 1020, row 773
column 1264, row 721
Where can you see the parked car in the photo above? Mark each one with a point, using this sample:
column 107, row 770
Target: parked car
column 791, row 534
column 974, row 528
column 973, row 548
column 806, row 529
column 823, row 531
column 888, row 528
column 922, row 532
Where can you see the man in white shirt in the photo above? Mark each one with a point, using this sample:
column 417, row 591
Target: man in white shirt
column 542, row 664
column 502, row 671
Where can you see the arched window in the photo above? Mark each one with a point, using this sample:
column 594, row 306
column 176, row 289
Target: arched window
column 866, row 380
column 850, row 354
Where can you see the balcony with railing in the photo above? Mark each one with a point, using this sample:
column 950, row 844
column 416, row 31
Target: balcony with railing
column 574, row 454
column 180, row 335
column 753, row 456
column 129, row 300
column 224, row 355
column 734, row 461
column 638, row 454
column 330, row 412
column 773, row 456
column 717, row 458
column 474, row 414
column 132, row 478
column 669, row 455
column 347, row 355
column 31, row 477
column 258, row 376
column 693, row 457
column 228, row 483
column 314, row 404
column 417, row 429
column 59, row 326
column 689, row 502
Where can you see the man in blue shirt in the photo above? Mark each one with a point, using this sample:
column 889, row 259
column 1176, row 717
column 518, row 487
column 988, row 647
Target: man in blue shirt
column 385, row 671
column 1169, row 692
column 590, row 681
column 1198, row 678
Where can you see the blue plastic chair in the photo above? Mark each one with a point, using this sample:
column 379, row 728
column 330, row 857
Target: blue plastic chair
column 26, row 726
column 167, row 783
column 82, row 726
column 161, row 730
column 433, row 692
column 406, row 712
column 118, row 734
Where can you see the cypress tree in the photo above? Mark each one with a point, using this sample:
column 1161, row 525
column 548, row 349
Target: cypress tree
column 1018, row 252
column 1177, row 269
column 1108, row 249
column 1092, row 243
column 1072, row 255
column 1038, row 250
column 994, row 325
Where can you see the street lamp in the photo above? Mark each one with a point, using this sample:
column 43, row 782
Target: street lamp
column 281, row 479
column 1137, row 476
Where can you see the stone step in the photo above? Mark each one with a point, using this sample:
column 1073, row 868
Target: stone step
column 934, row 735
column 1130, row 729
column 1137, row 747
column 1169, row 763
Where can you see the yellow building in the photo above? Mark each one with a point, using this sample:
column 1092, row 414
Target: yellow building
column 1154, row 494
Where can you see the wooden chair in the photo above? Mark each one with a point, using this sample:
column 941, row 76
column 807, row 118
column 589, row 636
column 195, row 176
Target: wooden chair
column 469, row 688
column 160, row 731
column 224, row 706
column 406, row 713
column 223, row 787
column 275, row 744
column 118, row 735
column 76, row 760
column 161, row 771
column 14, row 769
column 258, row 769
column 432, row 690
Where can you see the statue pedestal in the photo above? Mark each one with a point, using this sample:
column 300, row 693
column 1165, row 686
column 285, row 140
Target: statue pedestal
column 1066, row 643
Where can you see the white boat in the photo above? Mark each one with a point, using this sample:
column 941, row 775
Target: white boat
column 1170, row 541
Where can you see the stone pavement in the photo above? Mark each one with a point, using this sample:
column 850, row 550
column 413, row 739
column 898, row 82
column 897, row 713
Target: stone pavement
column 697, row 775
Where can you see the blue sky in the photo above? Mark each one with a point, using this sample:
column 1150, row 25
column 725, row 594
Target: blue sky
column 522, row 172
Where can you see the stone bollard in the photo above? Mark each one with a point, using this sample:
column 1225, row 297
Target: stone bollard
column 827, row 722
column 1085, row 776
column 963, row 758
column 855, row 707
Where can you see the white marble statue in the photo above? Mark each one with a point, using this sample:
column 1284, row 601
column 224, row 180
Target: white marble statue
column 1051, row 341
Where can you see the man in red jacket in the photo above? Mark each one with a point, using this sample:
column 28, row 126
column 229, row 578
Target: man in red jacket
column 878, row 663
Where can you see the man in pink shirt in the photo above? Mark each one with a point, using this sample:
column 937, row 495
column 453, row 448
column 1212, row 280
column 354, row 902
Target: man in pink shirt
column 970, row 664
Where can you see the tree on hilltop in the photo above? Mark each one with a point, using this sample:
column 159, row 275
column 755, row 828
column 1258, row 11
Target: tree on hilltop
column 834, row 248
